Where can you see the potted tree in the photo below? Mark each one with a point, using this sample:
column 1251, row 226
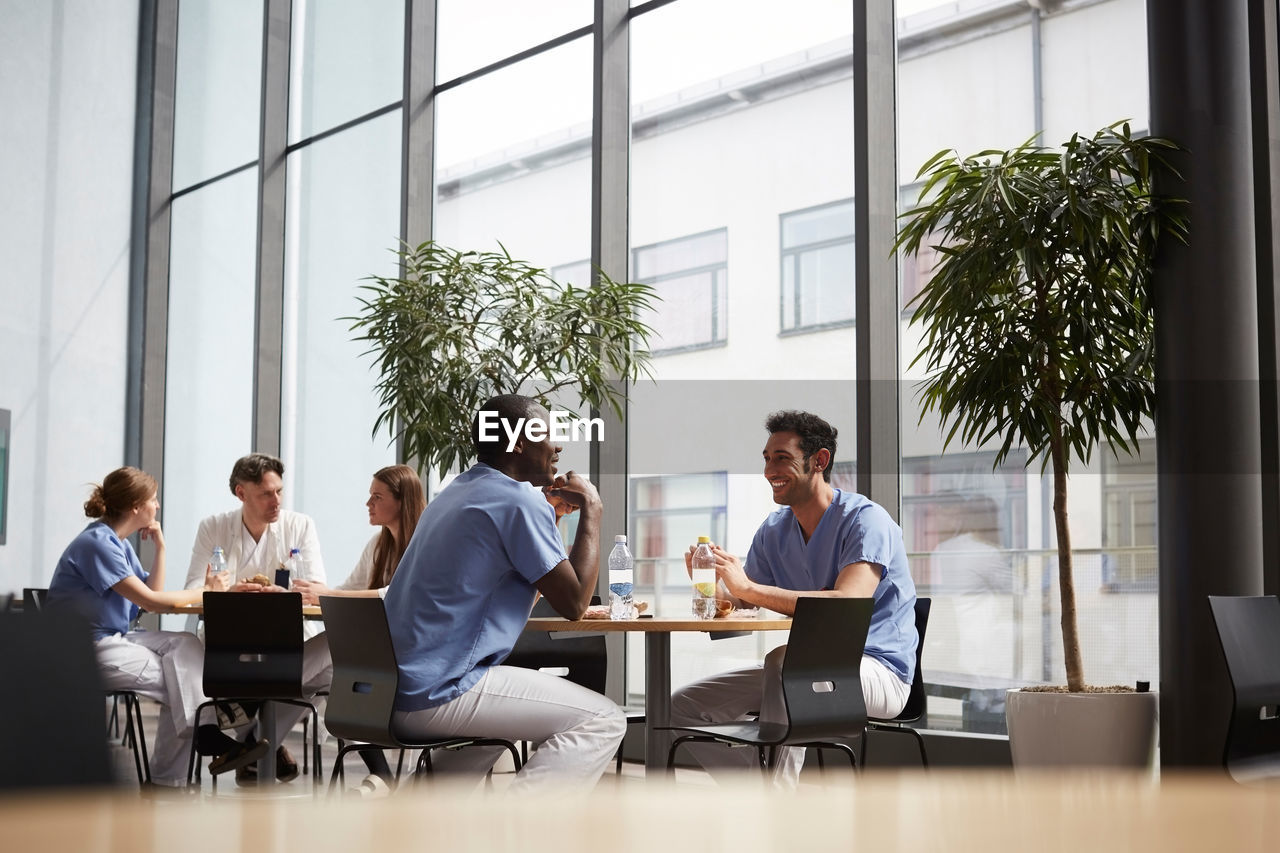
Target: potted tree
column 457, row 327
column 1039, row 330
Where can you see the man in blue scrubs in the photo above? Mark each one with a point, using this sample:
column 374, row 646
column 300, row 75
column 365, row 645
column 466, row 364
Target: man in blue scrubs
column 462, row 593
column 823, row 542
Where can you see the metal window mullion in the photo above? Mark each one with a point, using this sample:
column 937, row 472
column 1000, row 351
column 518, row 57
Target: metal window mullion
column 269, row 278
column 149, row 264
column 610, row 170
column 875, row 267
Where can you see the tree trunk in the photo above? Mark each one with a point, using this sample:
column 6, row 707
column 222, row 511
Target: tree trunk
column 1066, row 579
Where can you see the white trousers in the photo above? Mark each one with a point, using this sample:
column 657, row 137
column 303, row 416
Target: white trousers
column 166, row 666
column 317, row 675
column 733, row 695
column 576, row 730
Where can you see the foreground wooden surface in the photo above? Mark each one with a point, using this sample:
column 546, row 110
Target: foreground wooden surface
column 937, row 811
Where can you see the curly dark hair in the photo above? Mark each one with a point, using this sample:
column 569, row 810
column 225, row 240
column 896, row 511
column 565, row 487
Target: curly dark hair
column 813, row 431
column 252, row 468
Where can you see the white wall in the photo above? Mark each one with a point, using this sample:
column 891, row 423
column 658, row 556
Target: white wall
column 67, row 81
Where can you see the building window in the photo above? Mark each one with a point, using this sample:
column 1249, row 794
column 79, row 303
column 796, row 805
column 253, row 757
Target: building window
column 4, row 474
column 1129, row 520
column 668, row 514
column 817, row 267
column 577, row 274
column 691, row 275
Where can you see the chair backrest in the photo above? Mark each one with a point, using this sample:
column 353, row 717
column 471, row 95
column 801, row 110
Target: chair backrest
column 1249, row 631
column 52, row 715
column 33, row 598
column 365, row 678
column 253, row 644
column 917, row 700
column 821, row 680
column 584, row 656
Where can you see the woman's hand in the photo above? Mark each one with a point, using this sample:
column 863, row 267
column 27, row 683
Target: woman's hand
column 311, row 590
column 153, row 533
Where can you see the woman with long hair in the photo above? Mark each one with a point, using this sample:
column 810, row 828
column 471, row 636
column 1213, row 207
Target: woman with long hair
column 396, row 500
column 100, row 574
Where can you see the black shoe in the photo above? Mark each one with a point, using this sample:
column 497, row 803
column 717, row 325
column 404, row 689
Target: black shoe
column 286, row 767
column 243, row 754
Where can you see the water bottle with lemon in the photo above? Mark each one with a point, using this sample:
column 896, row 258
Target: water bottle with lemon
column 703, row 564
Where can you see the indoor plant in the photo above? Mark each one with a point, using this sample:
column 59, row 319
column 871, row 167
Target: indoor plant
column 457, row 327
column 1038, row 319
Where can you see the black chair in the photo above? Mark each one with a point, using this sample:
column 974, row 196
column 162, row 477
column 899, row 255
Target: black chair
column 582, row 659
column 34, row 598
column 1249, row 631
column 820, row 686
column 917, row 701
column 52, row 717
column 134, row 737
column 253, row 652
column 365, row 679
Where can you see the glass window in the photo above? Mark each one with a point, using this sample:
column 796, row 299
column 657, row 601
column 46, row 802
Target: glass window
column 347, row 59
column 475, row 34
column 577, row 273
column 739, row 114
column 691, row 278
column 216, row 109
column 209, row 377
column 1129, row 520
column 980, row 641
column 964, row 525
column 343, row 218
column 817, row 267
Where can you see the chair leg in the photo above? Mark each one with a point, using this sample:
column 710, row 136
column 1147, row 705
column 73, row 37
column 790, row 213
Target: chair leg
column 305, row 755
column 822, row 767
column 139, row 740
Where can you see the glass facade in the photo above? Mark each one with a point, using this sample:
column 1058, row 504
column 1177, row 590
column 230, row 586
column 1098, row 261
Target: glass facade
column 739, row 210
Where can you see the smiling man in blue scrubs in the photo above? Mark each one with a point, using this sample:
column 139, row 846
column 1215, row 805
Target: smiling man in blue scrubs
column 823, row 542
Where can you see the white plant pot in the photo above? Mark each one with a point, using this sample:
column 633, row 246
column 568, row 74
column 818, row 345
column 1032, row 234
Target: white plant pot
column 1082, row 729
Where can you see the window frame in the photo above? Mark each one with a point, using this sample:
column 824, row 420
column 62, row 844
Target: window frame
column 719, row 289
column 793, row 254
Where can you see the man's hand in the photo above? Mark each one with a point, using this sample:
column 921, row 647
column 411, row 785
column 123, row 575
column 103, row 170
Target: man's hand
column 575, row 490
column 558, row 501
column 311, row 590
column 730, row 572
column 216, row 581
column 250, row 586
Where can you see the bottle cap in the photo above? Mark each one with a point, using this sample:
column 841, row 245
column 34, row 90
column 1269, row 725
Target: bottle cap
column 704, row 540
column 621, row 537
column 294, row 552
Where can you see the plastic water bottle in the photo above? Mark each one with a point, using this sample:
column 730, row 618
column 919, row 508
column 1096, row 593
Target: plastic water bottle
column 287, row 570
column 703, row 564
column 621, row 579
column 219, row 562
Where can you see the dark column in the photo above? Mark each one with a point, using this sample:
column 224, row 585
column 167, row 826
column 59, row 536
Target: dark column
column 1264, row 71
column 418, row 142
column 1208, row 432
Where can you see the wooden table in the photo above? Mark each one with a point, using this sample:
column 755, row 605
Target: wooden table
column 881, row 811
column 657, row 632
column 309, row 611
